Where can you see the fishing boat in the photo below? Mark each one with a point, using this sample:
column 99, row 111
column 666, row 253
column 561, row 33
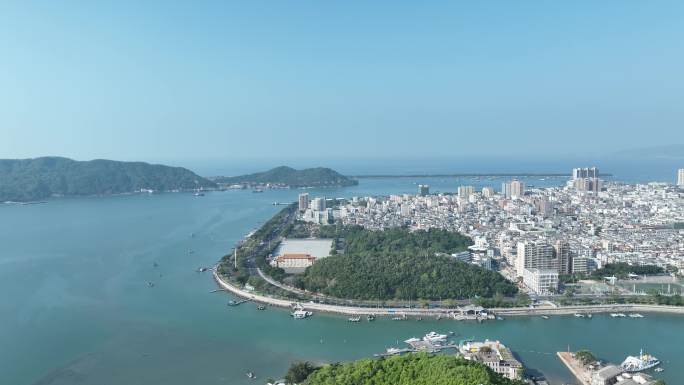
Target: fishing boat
column 639, row 363
column 261, row 307
column 251, row 375
column 370, row 318
column 636, row 315
column 354, row 319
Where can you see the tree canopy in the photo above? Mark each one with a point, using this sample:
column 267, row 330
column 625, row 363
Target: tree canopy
column 622, row 270
column 40, row 178
column 399, row 264
column 310, row 177
column 412, row 369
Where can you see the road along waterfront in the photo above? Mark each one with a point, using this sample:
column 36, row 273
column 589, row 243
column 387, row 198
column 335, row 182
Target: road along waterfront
column 434, row 312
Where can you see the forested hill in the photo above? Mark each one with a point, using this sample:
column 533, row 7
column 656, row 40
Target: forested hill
column 411, row 369
column 40, row 178
column 310, row 177
column 400, row 264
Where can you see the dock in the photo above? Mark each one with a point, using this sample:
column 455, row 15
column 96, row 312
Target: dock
column 236, row 303
column 420, row 346
column 576, row 368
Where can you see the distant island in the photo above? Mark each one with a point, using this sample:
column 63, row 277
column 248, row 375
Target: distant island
column 23, row 180
column 289, row 177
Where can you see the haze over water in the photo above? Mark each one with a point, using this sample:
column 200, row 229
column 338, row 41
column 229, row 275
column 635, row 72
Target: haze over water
column 76, row 308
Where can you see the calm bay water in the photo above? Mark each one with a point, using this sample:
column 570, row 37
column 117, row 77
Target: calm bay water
column 76, row 308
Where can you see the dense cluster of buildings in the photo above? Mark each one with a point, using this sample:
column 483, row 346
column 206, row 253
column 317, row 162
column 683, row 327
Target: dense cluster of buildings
column 537, row 234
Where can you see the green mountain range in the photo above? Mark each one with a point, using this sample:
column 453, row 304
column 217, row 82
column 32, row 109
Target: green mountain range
column 310, row 177
column 40, row 178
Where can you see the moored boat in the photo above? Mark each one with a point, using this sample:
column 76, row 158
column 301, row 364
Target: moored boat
column 639, row 363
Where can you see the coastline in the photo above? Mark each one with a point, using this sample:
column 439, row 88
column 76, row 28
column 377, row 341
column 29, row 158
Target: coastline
column 421, row 312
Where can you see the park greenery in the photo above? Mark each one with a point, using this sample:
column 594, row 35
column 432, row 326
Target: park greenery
column 41, row 178
column 287, row 176
column 621, row 270
column 412, row 369
column 585, row 357
column 400, row 264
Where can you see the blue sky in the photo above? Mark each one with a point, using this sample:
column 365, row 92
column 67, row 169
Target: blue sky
column 172, row 81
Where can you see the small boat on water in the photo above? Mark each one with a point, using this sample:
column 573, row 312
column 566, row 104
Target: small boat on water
column 301, row 314
column 392, row 351
column 639, row 363
column 261, row 307
column 579, row 315
column 636, row 315
column 370, row 318
column 434, row 337
column 150, row 284
column 658, row 370
column 545, row 317
column 354, row 319
column 251, row 375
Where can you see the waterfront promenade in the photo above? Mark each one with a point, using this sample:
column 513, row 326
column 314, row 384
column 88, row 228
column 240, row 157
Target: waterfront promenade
column 434, row 312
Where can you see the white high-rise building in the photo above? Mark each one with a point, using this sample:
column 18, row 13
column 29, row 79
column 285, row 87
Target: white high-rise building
column 318, row 204
column 517, row 189
column 680, row 177
column 541, row 281
column 465, row 191
column 535, row 255
column 487, row 192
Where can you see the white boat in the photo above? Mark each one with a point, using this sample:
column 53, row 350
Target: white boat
column 545, row 317
column 614, row 315
column 636, row 315
column 658, row 370
column 301, row 314
column 434, row 337
column 393, row 351
column 412, row 340
column 579, row 315
column 640, row 363
column 354, row 319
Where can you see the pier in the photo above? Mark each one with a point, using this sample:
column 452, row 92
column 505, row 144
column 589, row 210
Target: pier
column 582, row 374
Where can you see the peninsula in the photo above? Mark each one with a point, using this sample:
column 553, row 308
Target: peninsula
column 23, row 180
column 289, row 177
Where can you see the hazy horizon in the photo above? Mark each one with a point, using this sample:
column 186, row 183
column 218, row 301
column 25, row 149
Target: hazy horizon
column 172, row 81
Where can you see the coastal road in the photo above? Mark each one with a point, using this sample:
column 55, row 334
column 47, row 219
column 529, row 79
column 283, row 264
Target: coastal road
column 433, row 312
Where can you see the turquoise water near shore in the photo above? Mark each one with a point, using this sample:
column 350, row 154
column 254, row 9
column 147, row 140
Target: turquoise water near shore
column 76, row 308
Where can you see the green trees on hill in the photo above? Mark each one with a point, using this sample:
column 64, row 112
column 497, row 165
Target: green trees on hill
column 412, row 369
column 399, row 264
column 310, row 177
column 40, row 178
